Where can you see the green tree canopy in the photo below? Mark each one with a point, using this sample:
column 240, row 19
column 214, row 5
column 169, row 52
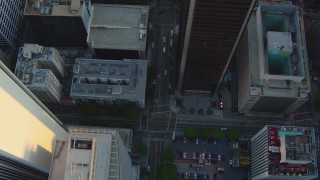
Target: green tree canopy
column 233, row 134
column 204, row 133
column 143, row 171
column 189, row 132
column 151, row 72
column 218, row 134
column 168, row 154
column 167, row 171
column 130, row 111
column 89, row 109
column 144, row 150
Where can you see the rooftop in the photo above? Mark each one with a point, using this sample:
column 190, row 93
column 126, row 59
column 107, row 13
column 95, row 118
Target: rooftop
column 54, row 7
column 89, row 154
column 278, row 61
column 118, row 27
column 29, row 67
column 120, row 79
column 290, row 150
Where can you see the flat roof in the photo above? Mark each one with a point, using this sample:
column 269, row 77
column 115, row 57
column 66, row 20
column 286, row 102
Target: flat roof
column 27, row 71
column 110, row 78
column 118, row 26
column 89, row 153
column 295, row 80
column 54, row 7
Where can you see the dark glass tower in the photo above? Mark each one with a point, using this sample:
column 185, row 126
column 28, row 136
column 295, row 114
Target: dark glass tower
column 208, row 32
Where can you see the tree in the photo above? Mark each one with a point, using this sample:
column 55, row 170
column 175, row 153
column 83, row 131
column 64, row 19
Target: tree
column 144, row 150
column 189, row 132
column 113, row 110
column 168, row 154
column 151, row 72
column 192, row 110
column 89, row 109
column 218, row 134
column 209, row 112
column 200, row 111
column 143, row 171
column 167, row 171
column 233, row 134
column 130, row 111
column 204, row 133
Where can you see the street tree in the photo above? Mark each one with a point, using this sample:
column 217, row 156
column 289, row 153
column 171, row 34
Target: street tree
column 130, row 111
column 87, row 109
column 168, row 154
column 233, row 134
column 218, row 134
column 167, row 171
column 204, row 133
column 189, row 132
column 144, row 150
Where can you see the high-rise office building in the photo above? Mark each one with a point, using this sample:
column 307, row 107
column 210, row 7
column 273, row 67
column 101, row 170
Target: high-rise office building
column 28, row 131
column 207, row 37
column 59, row 23
column 273, row 72
column 284, row 153
column 118, row 31
column 92, row 154
column 39, row 68
column 10, row 17
column 109, row 81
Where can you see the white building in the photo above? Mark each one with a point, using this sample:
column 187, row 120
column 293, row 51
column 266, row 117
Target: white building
column 284, row 153
column 92, row 154
column 273, row 73
column 118, row 31
column 10, row 17
column 109, row 81
column 39, row 68
column 28, row 131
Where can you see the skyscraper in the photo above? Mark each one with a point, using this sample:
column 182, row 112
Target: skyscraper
column 62, row 23
column 207, row 37
column 273, row 71
column 284, row 153
column 10, row 17
column 93, row 153
column 28, row 131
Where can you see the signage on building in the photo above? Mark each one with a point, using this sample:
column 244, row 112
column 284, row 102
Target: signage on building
column 276, row 3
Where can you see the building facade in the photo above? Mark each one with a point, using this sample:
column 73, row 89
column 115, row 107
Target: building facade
column 109, row 81
column 208, row 33
column 118, row 31
column 62, row 23
column 273, row 71
column 283, row 152
column 92, row 154
column 10, row 17
column 28, row 131
column 40, row 69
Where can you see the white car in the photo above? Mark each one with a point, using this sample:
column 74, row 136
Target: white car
column 152, row 45
column 148, row 168
column 219, row 157
column 164, row 49
column 230, row 162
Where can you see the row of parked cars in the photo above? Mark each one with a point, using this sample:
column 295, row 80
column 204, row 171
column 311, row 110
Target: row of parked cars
column 187, row 175
column 197, row 141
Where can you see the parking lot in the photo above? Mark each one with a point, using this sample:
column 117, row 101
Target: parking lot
column 205, row 159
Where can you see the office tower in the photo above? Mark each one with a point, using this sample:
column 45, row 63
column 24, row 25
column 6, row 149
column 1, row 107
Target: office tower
column 118, row 31
column 283, row 152
column 39, row 68
column 273, row 73
column 208, row 34
column 59, row 23
column 109, row 81
column 92, row 154
column 28, row 131
column 10, row 17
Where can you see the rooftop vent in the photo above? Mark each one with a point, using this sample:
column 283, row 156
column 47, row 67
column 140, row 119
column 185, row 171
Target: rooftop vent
column 29, row 49
column 75, row 6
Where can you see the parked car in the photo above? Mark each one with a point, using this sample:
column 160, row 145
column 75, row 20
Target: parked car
column 230, row 163
column 219, row 157
column 184, row 155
